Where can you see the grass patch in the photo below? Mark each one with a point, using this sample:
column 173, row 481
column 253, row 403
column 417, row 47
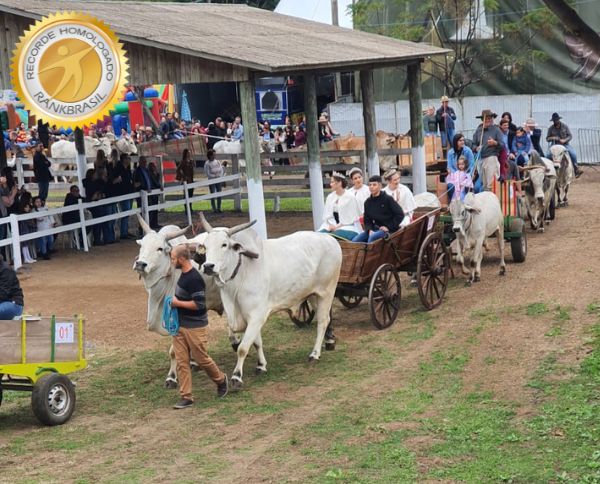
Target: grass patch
column 536, row 309
column 286, row 205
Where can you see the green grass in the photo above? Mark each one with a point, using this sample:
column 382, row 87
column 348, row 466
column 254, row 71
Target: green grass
column 286, row 205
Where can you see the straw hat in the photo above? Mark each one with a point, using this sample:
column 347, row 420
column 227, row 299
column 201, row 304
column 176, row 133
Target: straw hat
column 487, row 113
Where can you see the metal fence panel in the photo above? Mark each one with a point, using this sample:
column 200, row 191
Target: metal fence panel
column 580, row 112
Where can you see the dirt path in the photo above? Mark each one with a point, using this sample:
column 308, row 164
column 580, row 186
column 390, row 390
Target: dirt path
column 562, row 269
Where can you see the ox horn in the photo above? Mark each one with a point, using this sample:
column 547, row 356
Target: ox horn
column 145, row 227
column 205, row 225
column 178, row 233
column 239, row 228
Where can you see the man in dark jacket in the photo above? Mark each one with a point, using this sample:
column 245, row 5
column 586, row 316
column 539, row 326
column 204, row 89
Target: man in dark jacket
column 11, row 294
column 383, row 215
column 446, row 117
column 560, row 134
column 41, row 170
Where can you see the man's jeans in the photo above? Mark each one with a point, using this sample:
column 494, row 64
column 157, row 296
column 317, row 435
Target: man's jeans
column 8, row 310
column 43, row 189
column 447, row 137
column 124, row 227
column 366, row 237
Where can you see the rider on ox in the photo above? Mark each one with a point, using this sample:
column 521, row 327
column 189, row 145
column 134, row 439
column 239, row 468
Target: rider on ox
column 560, row 134
column 192, row 336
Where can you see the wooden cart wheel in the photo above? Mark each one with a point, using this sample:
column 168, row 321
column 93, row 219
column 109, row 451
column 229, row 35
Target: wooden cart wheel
column 305, row 315
column 433, row 265
column 385, row 294
column 350, row 301
column 518, row 245
column 53, row 399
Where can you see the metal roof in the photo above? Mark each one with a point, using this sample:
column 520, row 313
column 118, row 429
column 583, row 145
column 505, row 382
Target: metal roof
column 257, row 39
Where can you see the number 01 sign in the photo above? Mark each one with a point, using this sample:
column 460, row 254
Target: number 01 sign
column 64, row 333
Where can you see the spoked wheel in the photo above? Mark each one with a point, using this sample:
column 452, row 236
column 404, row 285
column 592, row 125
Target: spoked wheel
column 305, row 315
column 350, row 301
column 385, row 294
column 432, row 271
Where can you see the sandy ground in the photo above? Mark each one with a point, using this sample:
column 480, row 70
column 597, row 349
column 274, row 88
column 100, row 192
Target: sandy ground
column 561, row 269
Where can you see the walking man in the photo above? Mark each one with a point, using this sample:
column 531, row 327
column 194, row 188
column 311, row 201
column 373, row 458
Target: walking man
column 445, row 117
column 192, row 337
column 488, row 141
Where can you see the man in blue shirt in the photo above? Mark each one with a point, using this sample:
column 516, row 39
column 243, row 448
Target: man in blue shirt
column 238, row 130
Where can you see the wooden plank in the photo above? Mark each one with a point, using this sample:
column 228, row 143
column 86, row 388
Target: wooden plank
column 39, row 338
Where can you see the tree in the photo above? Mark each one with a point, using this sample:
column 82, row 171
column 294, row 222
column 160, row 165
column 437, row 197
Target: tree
column 479, row 34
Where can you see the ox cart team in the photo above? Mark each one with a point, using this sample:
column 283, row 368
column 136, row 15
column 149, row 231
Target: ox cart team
column 234, row 271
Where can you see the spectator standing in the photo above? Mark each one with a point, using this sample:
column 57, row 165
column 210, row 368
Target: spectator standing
column 212, row 135
column 43, row 222
column 44, row 133
column 289, row 138
column 430, row 121
column 238, row 130
column 124, row 187
column 27, row 227
column 142, row 180
column 185, row 171
column 96, row 189
column 299, row 137
column 41, row 170
column 72, row 217
column 213, row 169
column 446, row 117
column 11, row 294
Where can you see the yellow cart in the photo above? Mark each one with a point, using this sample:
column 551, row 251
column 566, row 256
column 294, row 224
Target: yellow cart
column 36, row 354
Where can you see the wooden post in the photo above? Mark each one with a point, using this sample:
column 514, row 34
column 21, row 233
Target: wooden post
column 188, row 205
column 416, row 128
column 335, row 20
column 312, row 141
column 81, row 161
column 16, row 243
column 368, row 102
column 256, row 196
column 84, row 238
column 235, row 170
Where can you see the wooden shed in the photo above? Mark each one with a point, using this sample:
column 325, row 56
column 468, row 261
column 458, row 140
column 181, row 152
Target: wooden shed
column 182, row 43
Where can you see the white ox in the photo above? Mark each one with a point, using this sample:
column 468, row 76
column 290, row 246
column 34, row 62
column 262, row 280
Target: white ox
column 478, row 217
column 66, row 149
column 427, row 200
column 539, row 185
column 566, row 173
column 153, row 264
column 257, row 278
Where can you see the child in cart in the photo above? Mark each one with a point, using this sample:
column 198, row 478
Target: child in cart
column 460, row 180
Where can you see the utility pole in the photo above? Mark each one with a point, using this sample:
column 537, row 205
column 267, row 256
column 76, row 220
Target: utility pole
column 336, row 21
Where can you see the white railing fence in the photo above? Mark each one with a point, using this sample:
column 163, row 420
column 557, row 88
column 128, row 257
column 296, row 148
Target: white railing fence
column 14, row 238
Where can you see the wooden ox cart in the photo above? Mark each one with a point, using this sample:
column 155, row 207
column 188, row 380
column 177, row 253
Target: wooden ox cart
column 372, row 270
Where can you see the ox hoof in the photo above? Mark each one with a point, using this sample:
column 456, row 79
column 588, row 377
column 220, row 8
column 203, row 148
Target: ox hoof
column 170, row 384
column 195, row 367
column 330, row 346
column 313, row 359
column 235, row 346
column 235, row 384
column 540, row 230
column 502, row 271
column 260, row 371
column 477, row 279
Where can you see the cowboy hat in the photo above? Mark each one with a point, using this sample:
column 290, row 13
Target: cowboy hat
column 487, row 113
column 555, row 117
column 445, row 99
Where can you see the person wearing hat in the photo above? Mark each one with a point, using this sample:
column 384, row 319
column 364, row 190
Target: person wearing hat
column 488, row 141
column 560, row 134
column 383, row 215
column 535, row 134
column 445, row 117
column 358, row 188
column 430, row 121
column 341, row 216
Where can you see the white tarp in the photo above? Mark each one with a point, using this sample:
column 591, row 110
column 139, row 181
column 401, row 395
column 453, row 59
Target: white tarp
column 316, row 10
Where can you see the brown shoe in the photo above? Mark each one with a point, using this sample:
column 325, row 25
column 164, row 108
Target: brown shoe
column 578, row 173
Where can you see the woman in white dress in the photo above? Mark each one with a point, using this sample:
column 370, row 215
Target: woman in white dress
column 358, row 188
column 342, row 210
column 401, row 194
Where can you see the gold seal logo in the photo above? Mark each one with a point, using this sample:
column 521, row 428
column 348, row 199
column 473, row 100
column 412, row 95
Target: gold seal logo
column 69, row 69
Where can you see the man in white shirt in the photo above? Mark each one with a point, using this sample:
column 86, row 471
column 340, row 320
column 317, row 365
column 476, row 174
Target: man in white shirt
column 401, row 194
